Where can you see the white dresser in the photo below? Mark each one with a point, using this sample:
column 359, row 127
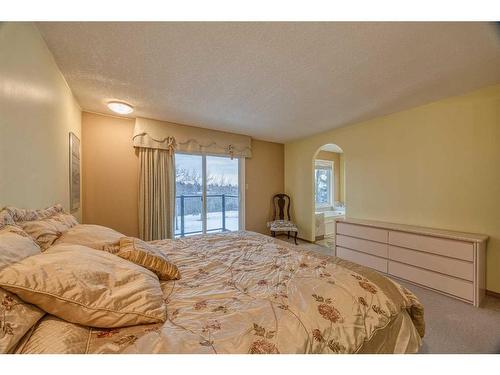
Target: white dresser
column 452, row 263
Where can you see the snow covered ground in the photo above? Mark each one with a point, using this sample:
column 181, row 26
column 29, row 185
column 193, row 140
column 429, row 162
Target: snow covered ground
column 193, row 223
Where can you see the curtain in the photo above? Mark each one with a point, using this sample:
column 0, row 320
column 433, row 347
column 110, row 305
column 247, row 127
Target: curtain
column 165, row 135
column 156, row 194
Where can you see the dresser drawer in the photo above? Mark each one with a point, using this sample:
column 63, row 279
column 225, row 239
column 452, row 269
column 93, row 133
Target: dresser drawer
column 360, row 231
column 460, row 288
column 364, row 259
column 453, row 267
column 440, row 246
column 370, row 247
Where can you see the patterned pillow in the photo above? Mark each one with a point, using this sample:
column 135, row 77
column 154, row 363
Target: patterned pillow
column 44, row 226
column 144, row 255
column 16, row 316
column 5, row 218
column 23, row 214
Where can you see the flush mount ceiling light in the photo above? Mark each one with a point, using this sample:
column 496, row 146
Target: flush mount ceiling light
column 121, row 108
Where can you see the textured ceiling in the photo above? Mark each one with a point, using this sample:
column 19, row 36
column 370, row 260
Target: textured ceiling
column 273, row 81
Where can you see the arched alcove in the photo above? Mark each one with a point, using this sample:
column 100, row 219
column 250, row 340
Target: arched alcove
column 328, row 192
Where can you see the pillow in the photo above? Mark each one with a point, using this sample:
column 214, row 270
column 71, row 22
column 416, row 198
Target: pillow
column 44, row 226
column 15, row 245
column 52, row 335
column 24, row 214
column 5, row 218
column 16, row 316
column 145, row 255
column 87, row 287
column 94, row 236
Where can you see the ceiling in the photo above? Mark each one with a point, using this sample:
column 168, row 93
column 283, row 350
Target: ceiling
column 272, row 81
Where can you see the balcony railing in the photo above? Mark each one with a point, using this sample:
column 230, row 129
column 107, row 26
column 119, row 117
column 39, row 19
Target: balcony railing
column 183, row 209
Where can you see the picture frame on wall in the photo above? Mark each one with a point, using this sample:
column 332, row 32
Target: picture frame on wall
column 74, row 172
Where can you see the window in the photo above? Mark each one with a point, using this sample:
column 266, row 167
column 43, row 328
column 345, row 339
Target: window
column 323, row 176
column 209, row 194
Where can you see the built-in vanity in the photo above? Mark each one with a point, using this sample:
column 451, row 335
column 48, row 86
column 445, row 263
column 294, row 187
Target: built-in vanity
column 325, row 222
column 452, row 263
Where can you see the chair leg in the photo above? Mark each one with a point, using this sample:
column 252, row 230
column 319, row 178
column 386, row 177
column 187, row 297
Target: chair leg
column 288, row 234
column 296, row 233
column 273, row 233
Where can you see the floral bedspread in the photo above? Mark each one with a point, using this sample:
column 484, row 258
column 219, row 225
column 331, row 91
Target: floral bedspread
column 242, row 292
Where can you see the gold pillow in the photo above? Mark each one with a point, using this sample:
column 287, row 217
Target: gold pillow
column 145, row 255
column 88, row 287
column 94, row 236
column 52, row 335
column 44, row 226
column 16, row 316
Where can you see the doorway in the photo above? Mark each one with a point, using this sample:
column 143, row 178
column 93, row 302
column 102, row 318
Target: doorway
column 208, row 194
column 329, row 192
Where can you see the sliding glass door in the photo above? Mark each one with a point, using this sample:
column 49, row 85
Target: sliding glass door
column 208, row 194
column 189, row 194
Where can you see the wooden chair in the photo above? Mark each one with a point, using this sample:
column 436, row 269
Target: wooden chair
column 282, row 222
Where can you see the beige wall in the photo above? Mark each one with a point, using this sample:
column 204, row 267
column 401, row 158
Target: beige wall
column 335, row 157
column 37, row 112
column 437, row 165
column 110, row 172
column 264, row 177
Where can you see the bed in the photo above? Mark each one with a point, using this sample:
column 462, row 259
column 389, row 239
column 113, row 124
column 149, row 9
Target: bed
column 243, row 292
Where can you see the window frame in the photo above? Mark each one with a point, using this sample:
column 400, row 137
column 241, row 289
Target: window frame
column 328, row 165
column 241, row 187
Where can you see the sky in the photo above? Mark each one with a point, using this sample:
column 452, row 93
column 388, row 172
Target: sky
column 216, row 166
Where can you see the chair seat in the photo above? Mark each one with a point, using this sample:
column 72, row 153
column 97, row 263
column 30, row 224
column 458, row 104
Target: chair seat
column 282, row 226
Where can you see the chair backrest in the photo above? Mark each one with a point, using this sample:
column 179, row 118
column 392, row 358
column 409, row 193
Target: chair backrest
column 279, row 202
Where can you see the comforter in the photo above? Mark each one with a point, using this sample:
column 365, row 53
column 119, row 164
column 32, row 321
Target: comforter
column 243, row 292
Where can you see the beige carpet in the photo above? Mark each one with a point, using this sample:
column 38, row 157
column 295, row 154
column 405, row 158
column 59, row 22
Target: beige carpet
column 452, row 326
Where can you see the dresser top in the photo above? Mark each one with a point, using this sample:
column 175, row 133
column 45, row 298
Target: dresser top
column 461, row 236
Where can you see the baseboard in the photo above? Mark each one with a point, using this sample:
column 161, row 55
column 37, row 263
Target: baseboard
column 303, row 239
column 492, row 294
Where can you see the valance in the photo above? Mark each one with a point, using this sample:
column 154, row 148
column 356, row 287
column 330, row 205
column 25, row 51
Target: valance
column 175, row 137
